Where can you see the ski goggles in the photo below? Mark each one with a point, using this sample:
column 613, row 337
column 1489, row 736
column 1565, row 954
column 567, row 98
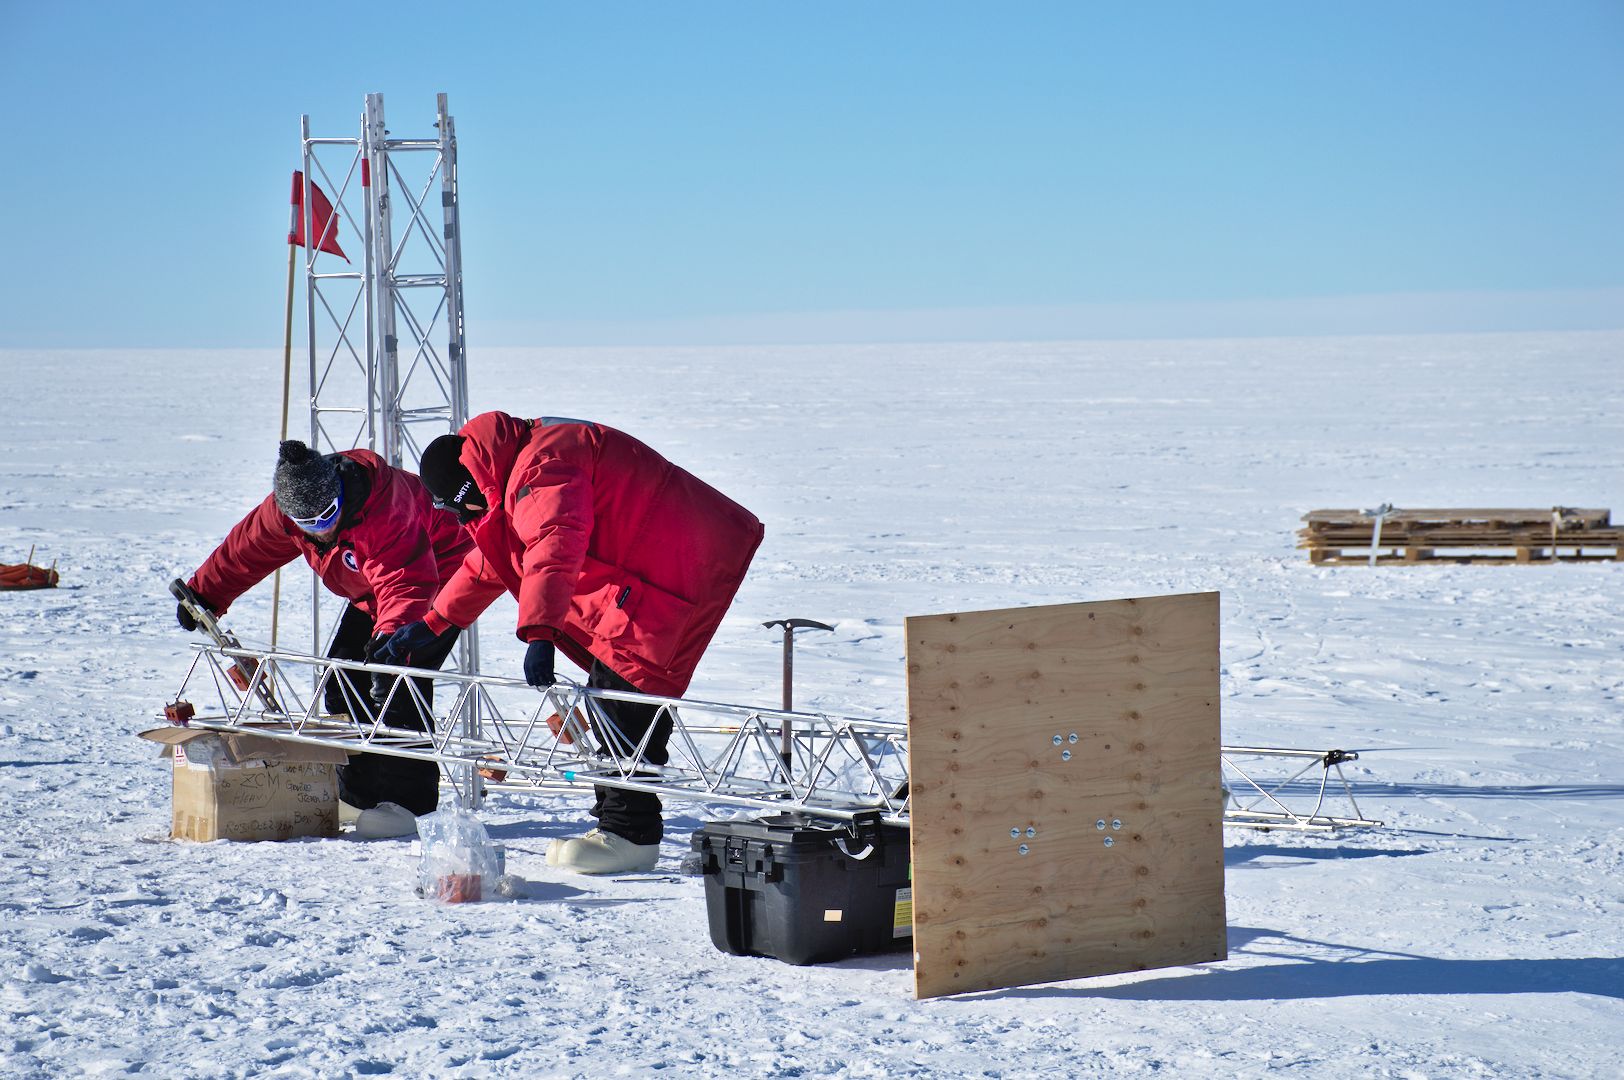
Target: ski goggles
column 324, row 520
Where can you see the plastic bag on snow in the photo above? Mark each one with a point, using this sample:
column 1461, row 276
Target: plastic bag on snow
column 458, row 863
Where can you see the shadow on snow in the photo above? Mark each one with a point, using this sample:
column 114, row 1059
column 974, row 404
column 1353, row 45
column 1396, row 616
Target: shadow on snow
column 1359, row 973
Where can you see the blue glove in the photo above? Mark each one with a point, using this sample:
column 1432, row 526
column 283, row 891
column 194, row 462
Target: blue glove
column 398, row 647
column 538, row 664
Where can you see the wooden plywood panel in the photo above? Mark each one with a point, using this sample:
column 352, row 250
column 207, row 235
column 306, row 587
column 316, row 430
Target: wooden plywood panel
column 1032, row 726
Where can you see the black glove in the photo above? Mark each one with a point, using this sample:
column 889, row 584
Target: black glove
column 185, row 618
column 538, row 664
column 398, row 647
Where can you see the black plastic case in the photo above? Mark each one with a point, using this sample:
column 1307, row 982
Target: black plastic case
column 806, row 891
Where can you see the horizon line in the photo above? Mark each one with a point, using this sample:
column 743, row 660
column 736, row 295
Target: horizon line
column 1349, row 315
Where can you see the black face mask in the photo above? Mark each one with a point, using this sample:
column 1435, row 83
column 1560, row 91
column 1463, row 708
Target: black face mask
column 454, row 503
column 464, row 515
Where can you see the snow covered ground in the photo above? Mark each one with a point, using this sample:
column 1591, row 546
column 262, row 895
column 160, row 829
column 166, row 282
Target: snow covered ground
column 1481, row 933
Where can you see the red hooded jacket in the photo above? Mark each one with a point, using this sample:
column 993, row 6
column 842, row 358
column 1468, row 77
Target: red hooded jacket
column 389, row 559
column 612, row 551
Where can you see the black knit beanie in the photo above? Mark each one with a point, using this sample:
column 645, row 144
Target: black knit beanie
column 444, row 474
column 306, row 482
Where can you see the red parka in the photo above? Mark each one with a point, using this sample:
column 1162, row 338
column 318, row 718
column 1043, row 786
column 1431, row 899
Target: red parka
column 612, row 551
column 389, row 560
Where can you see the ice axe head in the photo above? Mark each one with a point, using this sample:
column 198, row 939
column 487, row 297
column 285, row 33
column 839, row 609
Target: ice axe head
column 792, row 625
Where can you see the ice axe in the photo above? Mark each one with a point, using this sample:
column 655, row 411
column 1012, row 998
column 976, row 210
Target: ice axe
column 790, row 626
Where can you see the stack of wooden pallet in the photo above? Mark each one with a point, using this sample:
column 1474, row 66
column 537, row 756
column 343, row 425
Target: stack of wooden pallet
column 1387, row 535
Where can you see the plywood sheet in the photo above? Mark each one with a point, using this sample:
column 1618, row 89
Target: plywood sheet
column 1088, row 733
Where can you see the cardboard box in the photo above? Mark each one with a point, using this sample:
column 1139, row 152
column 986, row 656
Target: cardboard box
column 249, row 787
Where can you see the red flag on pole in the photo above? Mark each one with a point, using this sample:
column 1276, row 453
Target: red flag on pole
column 322, row 221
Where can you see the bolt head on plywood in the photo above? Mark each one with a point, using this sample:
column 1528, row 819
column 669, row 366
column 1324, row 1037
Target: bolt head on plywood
column 1067, row 812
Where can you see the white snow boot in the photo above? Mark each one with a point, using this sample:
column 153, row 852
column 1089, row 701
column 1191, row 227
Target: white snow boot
column 600, row 852
column 384, row 821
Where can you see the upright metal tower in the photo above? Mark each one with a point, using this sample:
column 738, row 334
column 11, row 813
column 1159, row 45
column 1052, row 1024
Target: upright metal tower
column 378, row 371
column 387, row 352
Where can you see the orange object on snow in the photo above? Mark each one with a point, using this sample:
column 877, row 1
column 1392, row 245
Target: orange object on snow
column 459, row 888
column 25, row 575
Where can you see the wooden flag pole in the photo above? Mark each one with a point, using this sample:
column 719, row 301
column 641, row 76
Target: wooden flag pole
column 287, row 382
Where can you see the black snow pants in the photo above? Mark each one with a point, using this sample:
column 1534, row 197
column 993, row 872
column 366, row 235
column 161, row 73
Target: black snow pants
column 634, row 815
column 370, row 779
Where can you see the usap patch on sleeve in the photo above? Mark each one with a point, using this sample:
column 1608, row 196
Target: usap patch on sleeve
column 349, row 560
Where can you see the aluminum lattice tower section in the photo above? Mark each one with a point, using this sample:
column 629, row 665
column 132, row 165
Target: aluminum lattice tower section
column 386, row 343
column 826, row 766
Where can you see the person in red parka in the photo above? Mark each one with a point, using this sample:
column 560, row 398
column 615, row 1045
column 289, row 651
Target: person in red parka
column 371, row 533
column 620, row 559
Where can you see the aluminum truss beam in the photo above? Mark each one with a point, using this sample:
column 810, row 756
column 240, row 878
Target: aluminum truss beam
column 836, row 767
column 1258, row 796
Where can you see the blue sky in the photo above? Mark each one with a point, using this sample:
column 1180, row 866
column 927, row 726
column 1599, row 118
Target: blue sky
column 764, row 172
